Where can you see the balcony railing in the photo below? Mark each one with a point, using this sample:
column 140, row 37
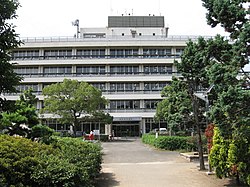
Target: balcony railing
column 113, row 38
column 105, row 92
column 104, row 74
column 75, row 57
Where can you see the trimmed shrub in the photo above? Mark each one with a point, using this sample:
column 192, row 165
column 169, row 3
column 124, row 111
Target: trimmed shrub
column 172, row 143
column 66, row 162
column 42, row 132
column 82, row 154
column 18, row 160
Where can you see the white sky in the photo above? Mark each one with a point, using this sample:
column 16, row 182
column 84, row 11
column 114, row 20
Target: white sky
column 43, row 18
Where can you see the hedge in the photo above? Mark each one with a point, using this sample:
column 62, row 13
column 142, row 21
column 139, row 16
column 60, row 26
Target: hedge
column 66, row 162
column 172, row 143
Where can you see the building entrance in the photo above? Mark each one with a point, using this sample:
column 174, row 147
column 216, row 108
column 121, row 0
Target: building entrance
column 124, row 130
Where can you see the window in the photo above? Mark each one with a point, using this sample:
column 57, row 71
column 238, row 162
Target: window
column 154, row 86
column 25, row 55
column 24, row 87
column 90, row 53
column 157, row 69
column 94, row 35
column 90, row 69
column 159, row 53
column 179, row 52
column 123, row 53
column 127, row 87
column 26, row 71
column 124, row 104
column 100, row 86
column 151, row 104
column 124, row 69
column 56, row 70
column 55, row 54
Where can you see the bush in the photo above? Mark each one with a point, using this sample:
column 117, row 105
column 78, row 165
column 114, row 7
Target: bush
column 66, row 162
column 19, row 160
column 42, row 132
column 82, row 154
column 103, row 137
column 172, row 143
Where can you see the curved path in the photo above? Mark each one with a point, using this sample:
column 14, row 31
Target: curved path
column 129, row 163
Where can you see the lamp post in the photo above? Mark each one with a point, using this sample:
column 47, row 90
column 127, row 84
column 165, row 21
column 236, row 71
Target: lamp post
column 204, row 96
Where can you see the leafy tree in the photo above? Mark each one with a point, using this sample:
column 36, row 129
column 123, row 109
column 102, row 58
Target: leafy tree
column 234, row 17
column 42, row 132
column 175, row 108
column 73, row 100
column 192, row 66
column 23, row 117
column 230, row 109
column 231, row 114
column 8, row 41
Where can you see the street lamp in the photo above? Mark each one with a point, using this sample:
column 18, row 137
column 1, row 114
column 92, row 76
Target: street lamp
column 204, row 96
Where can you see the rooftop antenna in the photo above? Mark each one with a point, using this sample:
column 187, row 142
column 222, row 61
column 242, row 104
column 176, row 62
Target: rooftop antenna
column 76, row 23
column 159, row 6
column 111, row 8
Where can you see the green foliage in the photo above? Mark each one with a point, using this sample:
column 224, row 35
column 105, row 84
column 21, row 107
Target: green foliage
column 176, row 106
column 230, row 14
column 72, row 100
column 42, row 132
column 218, row 154
column 19, row 159
column 230, row 157
column 69, row 162
column 230, row 111
column 172, row 143
column 193, row 65
column 82, row 154
column 8, row 41
column 23, row 116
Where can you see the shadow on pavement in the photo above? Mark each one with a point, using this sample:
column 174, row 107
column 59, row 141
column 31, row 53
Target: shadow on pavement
column 106, row 180
column 232, row 183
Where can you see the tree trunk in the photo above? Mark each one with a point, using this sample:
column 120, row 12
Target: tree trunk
column 196, row 119
column 200, row 148
column 74, row 127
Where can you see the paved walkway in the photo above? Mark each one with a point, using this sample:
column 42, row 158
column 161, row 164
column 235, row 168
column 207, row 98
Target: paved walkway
column 130, row 163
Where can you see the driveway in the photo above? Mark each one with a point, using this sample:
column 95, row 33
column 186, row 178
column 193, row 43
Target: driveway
column 129, row 163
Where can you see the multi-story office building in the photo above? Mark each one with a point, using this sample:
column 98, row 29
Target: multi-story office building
column 131, row 61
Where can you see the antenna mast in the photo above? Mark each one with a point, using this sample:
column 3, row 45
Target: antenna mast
column 76, row 23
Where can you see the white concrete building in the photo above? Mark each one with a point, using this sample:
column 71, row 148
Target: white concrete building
column 131, row 61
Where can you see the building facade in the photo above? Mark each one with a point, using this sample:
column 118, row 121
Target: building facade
column 131, row 61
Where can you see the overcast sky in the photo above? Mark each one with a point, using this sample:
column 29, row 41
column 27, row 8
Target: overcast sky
column 42, row 18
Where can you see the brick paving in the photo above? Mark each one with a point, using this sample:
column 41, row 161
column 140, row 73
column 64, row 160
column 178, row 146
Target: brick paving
column 130, row 163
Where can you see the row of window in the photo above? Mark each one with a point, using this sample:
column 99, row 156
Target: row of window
column 129, row 104
column 95, row 53
column 150, row 125
column 148, row 69
column 114, row 87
